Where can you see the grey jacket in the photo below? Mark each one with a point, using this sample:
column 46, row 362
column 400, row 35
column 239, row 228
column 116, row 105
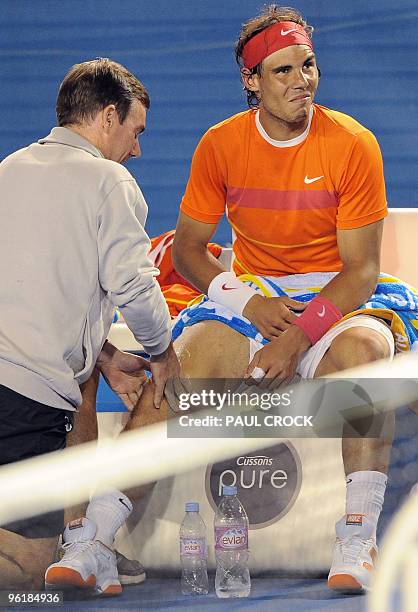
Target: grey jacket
column 72, row 246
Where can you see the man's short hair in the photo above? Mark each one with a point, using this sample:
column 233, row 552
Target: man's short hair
column 269, row 15
column 89, row 87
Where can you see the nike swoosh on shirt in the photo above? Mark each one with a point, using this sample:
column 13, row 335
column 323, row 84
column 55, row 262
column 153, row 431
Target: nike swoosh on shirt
column 321, row 313
column 285, row 32
column 312, row 180
column 225, row 288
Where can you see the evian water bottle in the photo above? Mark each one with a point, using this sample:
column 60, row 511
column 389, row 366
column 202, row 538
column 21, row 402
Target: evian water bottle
column 231, row 547
column 193, row 552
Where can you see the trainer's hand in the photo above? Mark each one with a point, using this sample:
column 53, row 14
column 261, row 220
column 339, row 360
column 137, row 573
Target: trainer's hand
column 124, row 373
column 272, row 316
column 163, row 367
column 277, row 361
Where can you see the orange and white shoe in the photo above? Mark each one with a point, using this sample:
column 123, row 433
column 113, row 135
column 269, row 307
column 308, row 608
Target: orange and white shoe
column 87, row 564
column 355, row 555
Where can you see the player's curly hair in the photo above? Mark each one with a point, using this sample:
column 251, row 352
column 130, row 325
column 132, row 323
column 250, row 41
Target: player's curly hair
column 269, row 15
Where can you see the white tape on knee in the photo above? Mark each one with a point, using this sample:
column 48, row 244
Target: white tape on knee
column 228, row 290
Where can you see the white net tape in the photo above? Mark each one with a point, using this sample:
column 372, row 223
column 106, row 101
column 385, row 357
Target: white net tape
column 395, row 587
column 66, row 478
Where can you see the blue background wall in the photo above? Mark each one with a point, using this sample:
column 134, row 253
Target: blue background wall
column 183, row 52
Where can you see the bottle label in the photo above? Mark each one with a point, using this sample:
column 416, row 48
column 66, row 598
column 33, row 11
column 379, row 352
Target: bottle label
column 193, row 546
column 232, row 537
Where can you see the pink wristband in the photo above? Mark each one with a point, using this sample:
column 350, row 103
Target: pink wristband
column 318, row 317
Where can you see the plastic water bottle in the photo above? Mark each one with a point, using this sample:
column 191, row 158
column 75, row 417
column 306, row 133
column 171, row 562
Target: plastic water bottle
column 231, row 547
column 193, row 552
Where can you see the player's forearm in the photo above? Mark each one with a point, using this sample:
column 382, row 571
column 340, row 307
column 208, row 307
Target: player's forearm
column 197, row 265
column 346, row 292
column 352, row 287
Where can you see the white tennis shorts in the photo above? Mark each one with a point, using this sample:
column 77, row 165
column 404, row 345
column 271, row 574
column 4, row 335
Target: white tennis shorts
column 311, row 358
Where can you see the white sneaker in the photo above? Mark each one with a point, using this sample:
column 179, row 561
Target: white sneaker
column 107, row 580
column 355, row 555
column 130, row 571
column 86, row 564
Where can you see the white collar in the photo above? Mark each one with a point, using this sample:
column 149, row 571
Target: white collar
column 283, row 143
column 66, row 136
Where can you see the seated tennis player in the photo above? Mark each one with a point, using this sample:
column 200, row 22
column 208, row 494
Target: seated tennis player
column 304, row 192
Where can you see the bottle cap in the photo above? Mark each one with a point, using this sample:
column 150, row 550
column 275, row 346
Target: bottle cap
column 229, row 490
column 192, row 507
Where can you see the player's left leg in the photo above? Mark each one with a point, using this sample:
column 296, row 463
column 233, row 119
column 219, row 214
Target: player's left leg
column 209, row 353
column 366, row 462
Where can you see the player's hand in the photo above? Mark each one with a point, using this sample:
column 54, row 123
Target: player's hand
column 163, row 367
column 272, row 316
column 276, row 363
column 124, row 373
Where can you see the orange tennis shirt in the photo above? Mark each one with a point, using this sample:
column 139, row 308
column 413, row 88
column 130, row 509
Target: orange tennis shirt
column 285, row 201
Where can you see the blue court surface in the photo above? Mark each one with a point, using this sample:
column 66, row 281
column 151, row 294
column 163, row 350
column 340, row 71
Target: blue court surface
column 278, row 594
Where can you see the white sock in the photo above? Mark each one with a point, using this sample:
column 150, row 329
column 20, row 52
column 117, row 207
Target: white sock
column 108, row 511
column 365, row 494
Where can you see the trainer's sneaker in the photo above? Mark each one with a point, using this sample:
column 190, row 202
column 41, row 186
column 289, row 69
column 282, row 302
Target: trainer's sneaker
column 355, row 555
column 129, row 570
column 86, row 564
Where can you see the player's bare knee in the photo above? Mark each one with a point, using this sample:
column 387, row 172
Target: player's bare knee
column 357, row 346
column 194, row 362
column 219, row 342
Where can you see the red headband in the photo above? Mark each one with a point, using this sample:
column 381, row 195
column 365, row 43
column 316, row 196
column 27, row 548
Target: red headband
column 275, row 37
